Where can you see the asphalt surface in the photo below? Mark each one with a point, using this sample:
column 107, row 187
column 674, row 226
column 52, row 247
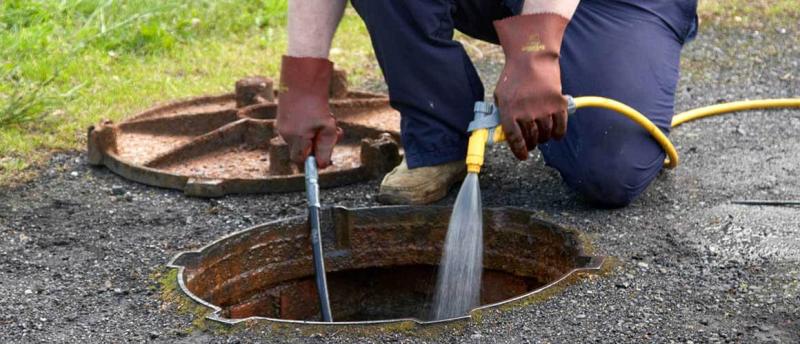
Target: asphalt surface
column 80, row 248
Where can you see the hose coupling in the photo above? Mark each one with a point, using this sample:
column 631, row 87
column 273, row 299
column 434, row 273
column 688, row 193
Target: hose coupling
column 487, row 116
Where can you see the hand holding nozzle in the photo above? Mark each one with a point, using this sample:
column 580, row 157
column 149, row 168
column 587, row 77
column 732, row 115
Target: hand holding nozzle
column 529, row 88
column 486, row 129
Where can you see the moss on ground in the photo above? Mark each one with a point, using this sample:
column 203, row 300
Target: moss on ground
column 172, row 296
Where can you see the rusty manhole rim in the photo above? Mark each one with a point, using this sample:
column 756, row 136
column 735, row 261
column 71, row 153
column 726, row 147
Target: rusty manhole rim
column 132, row 149
column 593, row 265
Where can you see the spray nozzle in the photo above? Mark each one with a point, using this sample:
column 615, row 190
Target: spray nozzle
column 486, row 129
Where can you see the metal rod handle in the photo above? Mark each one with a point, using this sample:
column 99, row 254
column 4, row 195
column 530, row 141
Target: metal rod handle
column 312, row 193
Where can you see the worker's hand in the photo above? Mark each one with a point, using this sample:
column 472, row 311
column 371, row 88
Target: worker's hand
column 528, row 93
column 304, row 117
column 532, row 108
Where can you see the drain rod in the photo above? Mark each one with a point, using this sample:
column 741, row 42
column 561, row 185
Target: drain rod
column 312, row 193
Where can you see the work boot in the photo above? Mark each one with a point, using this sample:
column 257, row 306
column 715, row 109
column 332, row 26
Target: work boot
column 421, row 185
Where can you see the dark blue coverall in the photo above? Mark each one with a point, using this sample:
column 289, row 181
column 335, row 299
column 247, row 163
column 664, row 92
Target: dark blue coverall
column 627, row 50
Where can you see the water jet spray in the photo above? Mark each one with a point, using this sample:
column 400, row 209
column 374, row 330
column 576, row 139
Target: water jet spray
column 456, row 286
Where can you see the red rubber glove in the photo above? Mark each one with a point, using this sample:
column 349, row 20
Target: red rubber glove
column 305, row 120
column 532, row 108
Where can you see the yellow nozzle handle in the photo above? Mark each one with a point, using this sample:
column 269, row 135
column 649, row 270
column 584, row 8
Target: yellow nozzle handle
column 499, row 134
column 476, row 149
column 485, row 130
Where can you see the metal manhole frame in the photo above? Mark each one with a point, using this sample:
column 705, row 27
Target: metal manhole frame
column 593, row 264
column 104, row 136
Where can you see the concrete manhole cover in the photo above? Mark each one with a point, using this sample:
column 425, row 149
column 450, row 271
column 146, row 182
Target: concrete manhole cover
column 381, row 265
column 216, row 145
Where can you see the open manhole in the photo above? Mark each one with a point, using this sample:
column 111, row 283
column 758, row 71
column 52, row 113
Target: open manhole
column 381, row 265
column 216, row 145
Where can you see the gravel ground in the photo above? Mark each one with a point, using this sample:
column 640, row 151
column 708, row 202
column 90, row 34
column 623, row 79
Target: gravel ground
column 80, row 246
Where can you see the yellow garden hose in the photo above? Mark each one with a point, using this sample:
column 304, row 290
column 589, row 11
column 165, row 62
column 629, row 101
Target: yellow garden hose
column 480, row 136
column 743, row 105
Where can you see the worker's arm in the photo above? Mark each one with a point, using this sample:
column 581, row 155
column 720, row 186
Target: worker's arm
column 312, row 24
column 304, row 118
column 564, row 8
column 528, row 92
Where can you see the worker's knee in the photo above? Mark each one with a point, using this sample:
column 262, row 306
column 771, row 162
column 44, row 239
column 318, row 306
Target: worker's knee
column 614, row 183
column 606, row 191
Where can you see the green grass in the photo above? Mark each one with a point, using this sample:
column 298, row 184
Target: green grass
column 749, row 13
column 65, row 65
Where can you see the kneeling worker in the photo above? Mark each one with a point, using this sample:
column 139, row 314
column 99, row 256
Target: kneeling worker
column 627, row 50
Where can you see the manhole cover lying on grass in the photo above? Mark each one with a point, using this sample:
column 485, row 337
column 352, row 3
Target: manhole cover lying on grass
column 381, row 265
column 216, row 145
